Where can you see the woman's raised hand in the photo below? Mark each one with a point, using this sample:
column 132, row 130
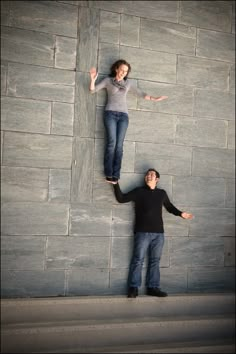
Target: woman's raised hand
column 93, row 74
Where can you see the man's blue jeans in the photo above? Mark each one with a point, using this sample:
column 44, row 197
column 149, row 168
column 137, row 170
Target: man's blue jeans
column 143, row 242
column 116, row 124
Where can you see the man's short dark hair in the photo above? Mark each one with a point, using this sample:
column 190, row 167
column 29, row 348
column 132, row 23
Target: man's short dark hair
column 153, row 169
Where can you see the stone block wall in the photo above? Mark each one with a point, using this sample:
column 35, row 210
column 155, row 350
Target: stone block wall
column 63, row 233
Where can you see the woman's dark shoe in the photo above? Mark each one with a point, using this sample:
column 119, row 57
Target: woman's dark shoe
column 109, row 180
column 156, row 292
column 133, row 292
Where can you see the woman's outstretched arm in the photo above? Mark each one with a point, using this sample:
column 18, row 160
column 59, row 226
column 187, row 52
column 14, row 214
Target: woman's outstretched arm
column 151, row 98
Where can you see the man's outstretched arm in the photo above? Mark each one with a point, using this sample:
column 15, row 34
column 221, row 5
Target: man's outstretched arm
column 121, row 197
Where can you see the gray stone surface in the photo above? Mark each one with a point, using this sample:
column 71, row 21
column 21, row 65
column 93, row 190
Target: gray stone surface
column 3, row 77
column 159, row 66
column 174, row 280
column 23, row 252
column 33, row 283
column 151, row 127
column 36, row 150
column 199, row 191
column 59, row 185
column 65, row 53
column 123, row 220
column 62, row 118
column 230, row 193
column 215, row 15
column 90, row 220
column 168, row 159
column 109, row 27
column 36, row 82
column 232, row 79
column 211, row 280
column 74, row 252
column 25, row 115
column 129, row 31
column 175, row 225
column 213, row 162
column 193, row 251
column 215, row 45
column 212, row 222
column 31, row 218
column 214, row 104
column 45, row 16
column 108, row 53
column 201, row 132
column 5, row 13
column 231, row 135
column 203, row 73
column 87, row 49
column 102, row 191
column 167, row 37
column 82, row 167
column 22, row 184
column 27, row 47
column 87, row 281
column 229, row 243
column 85, row 107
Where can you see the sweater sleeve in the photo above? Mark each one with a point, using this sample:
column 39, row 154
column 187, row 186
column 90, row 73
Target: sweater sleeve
column 170, row 207
column 100, row 86
column 124, row 198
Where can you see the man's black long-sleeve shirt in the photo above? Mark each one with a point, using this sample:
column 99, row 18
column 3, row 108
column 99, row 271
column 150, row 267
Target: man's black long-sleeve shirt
column 148, row 207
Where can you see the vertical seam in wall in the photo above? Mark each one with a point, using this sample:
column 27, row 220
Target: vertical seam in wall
column 66, row 276
column 45, row 252
column 139, row 32
column 178, row 11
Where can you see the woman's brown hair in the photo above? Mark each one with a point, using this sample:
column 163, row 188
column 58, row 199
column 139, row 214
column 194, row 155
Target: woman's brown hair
column 116, row 65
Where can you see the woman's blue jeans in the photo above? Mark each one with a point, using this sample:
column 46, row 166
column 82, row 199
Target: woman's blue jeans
column 143, row 242
column 116, row 124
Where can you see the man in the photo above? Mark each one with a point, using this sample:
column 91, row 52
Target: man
column 149, row 231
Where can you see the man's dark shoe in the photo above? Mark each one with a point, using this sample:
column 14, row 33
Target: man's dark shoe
column 156, row 292
column 133, row 292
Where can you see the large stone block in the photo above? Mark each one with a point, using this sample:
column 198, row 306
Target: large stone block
column 212, row 222
column 59, row 185
column 215, row 15
column 34, row 219
column 65, row 53
column 123, row 220
column 24, row 252
column 214, row 104
column 3, row 77
column 5, row 13
column 108, row 53
column 85, row 107
column 230, row 193
column 24, row 184
column 175, row 225
column 129, row 30
column 199, row 191
column 109, row 27
column 213, row 162
column 25, row 115
column 102, row 191
column 45, row 17
column 231, row 135
column 151, row 127
column 167, row 159
column 27, row 47
column 62, row 118
column 180, row 98
column 232, row 79
column 82, row 169
column 201, row 72
column 174, row 280
column 167, row 37
column 74, row 252
column 211, row 280
column 215, row 45
column 195, row 251
column 161, row 10
column 201, row 132
column 85, row 281
column 35, row 150
column 229, row 251
column 159, row 66
column 88, row 29
column 33, row 283
column 90, row 220
column 28, row 81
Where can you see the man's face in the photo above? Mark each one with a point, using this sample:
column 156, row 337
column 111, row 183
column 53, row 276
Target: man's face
column 150, row 177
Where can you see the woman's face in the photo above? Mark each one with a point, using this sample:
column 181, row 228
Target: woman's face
column 121, row 72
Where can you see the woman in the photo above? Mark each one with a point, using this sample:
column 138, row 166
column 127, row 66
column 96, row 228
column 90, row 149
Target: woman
column 116, row 118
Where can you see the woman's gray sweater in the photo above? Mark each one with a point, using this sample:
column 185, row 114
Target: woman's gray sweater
column 117, row 92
